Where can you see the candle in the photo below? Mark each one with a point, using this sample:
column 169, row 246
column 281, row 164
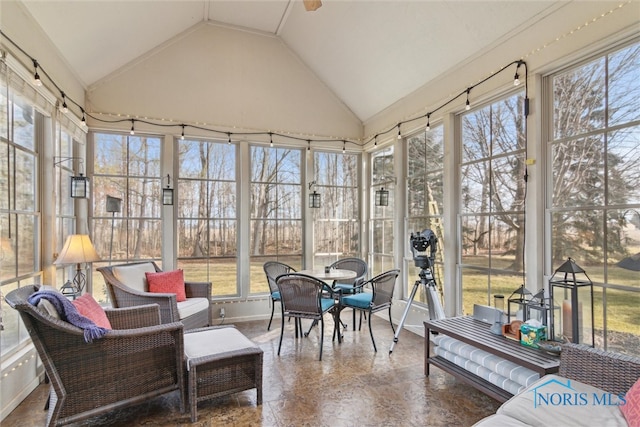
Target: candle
column 567, row 324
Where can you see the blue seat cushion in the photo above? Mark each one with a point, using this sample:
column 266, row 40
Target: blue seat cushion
column 327, row 303
column 275, row 295
column 360, row 300
column 346, row 288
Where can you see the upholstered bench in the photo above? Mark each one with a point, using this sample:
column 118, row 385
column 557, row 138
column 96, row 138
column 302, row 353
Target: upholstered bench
column 220, row 360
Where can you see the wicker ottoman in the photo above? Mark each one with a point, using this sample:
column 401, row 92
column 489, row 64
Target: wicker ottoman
column 220, row 361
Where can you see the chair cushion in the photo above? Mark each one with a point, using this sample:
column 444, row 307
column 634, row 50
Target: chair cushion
column 89, row 308
column 167, row 282
column 327, row 303
column 275, row 295
column 631, row 409
column 133, row 276
column 347, row 288
column 360, row 300
column 192, row 306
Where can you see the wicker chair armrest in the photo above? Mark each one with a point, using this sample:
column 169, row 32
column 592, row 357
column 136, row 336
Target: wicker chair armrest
column 167, row 302
column 609, row 371
column 198, row 289
column 134, row 317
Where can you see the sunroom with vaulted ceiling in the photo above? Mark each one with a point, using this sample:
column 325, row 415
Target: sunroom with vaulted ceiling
column 244, row 123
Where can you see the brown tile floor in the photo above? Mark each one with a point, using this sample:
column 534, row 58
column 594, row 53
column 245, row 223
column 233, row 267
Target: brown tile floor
column 351, row 386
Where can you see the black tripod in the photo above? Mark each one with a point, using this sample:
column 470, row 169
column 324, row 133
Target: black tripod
column 419, row 243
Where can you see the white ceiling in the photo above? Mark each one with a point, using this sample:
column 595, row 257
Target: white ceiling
column 370, row 53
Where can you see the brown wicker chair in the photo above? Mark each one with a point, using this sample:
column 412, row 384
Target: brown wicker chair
column 383, row 286
column 137, row 360
column 132, row 294
column 305, row 297
column 273, row 269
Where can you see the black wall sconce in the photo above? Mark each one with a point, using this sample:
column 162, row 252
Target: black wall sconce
column 314, row 198
column 79, row 184
column 167, row 193
column 382, row 197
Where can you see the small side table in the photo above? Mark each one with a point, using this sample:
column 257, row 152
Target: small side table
column 219, row 361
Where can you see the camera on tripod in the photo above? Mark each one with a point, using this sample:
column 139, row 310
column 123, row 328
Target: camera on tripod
column 420, row 242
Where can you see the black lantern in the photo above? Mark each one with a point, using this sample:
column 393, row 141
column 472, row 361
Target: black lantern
column 538, row 308
column 571, row 290
column 167, row 193
column 79, row 187
column 314, row 198
column 516, row 304
column 382, row 197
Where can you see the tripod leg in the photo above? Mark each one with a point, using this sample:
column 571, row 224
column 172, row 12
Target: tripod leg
column 404, row 315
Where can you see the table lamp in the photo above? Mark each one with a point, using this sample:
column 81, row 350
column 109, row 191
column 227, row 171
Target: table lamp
column 77, row 249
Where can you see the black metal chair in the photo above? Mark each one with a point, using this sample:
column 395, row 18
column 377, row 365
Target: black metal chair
column 273, row 269
column 305, row 297
column 360, row 268
column 380, row 298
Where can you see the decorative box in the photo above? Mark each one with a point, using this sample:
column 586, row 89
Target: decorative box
column 530, row 335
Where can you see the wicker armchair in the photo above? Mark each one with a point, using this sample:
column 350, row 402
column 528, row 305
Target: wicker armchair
column 127, row 287
column 137, row 360
column 383, row 286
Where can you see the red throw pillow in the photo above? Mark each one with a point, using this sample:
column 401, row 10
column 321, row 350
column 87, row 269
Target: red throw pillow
column 168, row 282
column 90, row 309
column 631, row 409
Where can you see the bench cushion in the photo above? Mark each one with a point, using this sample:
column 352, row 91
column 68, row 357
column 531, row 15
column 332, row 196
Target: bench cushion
column 212, row 342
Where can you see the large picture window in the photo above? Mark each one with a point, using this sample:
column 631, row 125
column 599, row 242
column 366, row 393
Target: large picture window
column 382, row 217
column 19, row 207
column 207, row 214
column 594, row 196
column 491, row 222
column 126, row 167
column 425, row 169
column 276, row 210
column 336, row 225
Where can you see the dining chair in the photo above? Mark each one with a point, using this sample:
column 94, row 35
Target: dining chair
column 273, row 269
column 305, row 297
column 360, row 268
column 378, row 299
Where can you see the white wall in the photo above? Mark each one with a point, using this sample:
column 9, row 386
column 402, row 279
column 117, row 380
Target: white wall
column 230, row 79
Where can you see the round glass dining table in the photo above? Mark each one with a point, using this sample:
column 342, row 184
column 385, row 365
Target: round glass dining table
column 334, row 274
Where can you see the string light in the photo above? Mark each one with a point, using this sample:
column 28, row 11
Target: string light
column 344, row 146
column 133, row 131
column 399, row 133
column 64, row 107
column 182, row 134
column 516, row 77
column 468, row 106
column 36, row 76
column 308, row 145
column 428, row 127
column 270, row 140
column 375, row 141
column 83, row 121
column 229, row 138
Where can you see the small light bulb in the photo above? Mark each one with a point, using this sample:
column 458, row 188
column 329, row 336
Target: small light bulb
column 64, row 108
column 468, row 106
column 36, row 79
column 516, row 80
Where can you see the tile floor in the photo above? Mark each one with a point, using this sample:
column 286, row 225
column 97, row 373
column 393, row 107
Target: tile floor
column 351, row 386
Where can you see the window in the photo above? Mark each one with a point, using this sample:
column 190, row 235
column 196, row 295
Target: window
column 64, row 208
column 336, row 226
column 19, row 208
column 276, row 210
column 425, row 168
column 207, row 223
column 382, row 218
column 594, row 196
column 126, row 167
column 492, row 196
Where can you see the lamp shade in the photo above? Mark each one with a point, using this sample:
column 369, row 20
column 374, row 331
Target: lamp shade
column 76, row 250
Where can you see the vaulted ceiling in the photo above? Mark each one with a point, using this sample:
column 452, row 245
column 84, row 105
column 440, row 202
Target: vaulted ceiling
column 369, row 53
